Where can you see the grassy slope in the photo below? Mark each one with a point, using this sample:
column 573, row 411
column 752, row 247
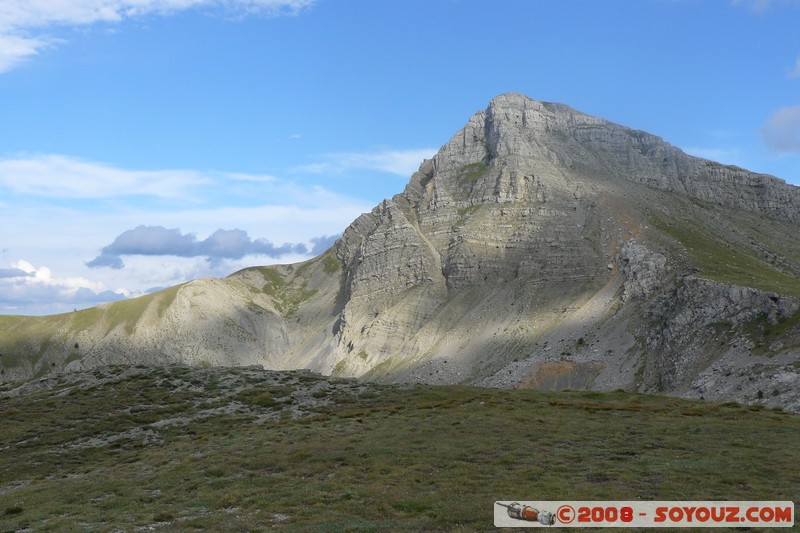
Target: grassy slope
column 27, row 337
column 365, row 457
column 736, row 247
column 21, row 336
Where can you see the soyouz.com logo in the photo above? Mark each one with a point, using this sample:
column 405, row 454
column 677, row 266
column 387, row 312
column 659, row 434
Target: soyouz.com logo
column 643, row 514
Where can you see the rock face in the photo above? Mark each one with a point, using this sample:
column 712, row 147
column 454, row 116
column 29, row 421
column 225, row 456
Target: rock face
column 642, row 270
column 540, row 247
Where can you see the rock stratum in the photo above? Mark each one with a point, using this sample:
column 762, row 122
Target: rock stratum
column 540, row 247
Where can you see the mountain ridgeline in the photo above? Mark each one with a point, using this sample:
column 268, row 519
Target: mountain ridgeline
column 540, row 247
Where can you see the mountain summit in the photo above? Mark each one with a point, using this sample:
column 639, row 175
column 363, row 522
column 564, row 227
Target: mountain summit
column 540, row 247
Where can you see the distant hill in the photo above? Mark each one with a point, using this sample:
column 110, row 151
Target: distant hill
column 540, row 248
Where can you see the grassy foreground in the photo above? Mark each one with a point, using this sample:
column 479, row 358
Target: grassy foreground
column 178, row 449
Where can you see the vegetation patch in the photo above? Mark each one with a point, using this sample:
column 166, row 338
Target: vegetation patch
column 762, row 333
column 260, row 398
column 330, row 264
column 472, row 173
column 287, row 297
column 274, row 282
column 725, row 263
column 338, row 368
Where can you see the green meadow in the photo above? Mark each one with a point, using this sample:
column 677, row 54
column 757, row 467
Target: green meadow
column 227, row 449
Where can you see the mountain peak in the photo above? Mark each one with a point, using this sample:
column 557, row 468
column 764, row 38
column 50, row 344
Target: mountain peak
column 561, row 144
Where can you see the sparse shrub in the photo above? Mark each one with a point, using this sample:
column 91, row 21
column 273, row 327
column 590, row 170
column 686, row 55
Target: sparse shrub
column 281, row 391
column 257, row 398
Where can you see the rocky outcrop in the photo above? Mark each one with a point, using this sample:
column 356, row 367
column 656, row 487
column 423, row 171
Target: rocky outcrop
column 690, row 323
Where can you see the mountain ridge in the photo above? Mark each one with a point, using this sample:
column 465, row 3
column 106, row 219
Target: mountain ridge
column 539, row 247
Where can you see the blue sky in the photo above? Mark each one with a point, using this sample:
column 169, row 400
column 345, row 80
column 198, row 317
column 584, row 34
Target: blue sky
column 147, row 142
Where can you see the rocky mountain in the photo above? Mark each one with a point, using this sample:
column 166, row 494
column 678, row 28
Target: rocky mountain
column 541, row 247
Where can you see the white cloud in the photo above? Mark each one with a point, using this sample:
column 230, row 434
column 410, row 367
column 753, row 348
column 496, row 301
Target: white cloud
column 199, row 202
column 43, row 276
column 20, row 18
column 36, row 288
column 398, row 162
column 251, row 178
column 63, row 176
column 43, row 13
column 67, row 177
column 781, row 133
column 15, row 50
column 795, row 72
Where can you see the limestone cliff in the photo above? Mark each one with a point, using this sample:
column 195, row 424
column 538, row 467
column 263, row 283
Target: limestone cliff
column 539, row 247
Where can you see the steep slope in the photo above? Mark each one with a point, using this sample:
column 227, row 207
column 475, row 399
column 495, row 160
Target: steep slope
column 540, row 247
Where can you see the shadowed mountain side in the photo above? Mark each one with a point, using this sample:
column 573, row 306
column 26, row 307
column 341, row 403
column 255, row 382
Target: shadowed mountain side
column 540, row 247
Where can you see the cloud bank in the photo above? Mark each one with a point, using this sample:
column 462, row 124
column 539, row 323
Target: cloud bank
column 222, row 244
column 24, row 23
